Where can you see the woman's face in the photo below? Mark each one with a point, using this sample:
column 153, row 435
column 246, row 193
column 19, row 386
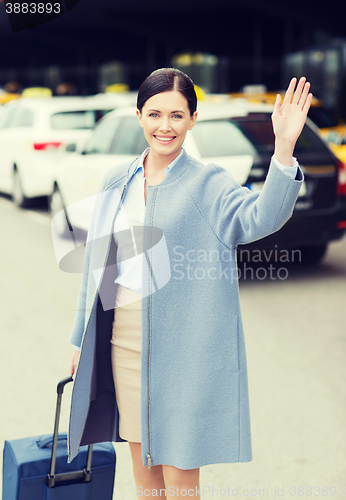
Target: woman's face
column 166, row 119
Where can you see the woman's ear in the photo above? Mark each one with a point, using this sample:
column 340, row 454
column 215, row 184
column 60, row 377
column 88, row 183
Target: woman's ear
column 139, row 115
column 193, row 119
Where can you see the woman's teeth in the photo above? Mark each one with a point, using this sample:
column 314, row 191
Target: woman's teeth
column 165, row 139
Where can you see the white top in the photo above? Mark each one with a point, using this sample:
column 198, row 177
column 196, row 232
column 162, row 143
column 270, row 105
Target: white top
column 131, row 213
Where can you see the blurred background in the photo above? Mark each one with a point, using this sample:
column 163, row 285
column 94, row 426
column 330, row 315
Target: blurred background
column 223, row 46
column 67, row 115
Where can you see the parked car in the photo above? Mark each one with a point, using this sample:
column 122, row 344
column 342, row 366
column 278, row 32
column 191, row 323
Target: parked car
column 330, row 125
column 33, row 129
column 238, row 137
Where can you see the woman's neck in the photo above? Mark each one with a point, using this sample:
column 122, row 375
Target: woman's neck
column 155, row 164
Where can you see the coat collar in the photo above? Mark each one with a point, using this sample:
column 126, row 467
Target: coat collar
column 174, row 174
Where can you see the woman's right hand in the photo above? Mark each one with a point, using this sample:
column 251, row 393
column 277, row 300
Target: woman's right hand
column 74, row 361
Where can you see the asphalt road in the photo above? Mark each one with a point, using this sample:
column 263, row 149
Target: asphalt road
column 296, row 344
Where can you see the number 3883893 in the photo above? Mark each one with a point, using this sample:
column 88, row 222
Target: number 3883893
column 33, row 8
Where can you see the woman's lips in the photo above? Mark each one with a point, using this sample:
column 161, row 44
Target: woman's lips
column 164, row 139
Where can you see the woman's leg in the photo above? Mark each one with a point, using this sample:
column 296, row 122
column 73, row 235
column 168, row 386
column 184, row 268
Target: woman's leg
column 149, row 480
column 181, row 483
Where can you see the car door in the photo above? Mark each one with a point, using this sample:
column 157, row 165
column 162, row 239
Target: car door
column 16, row 145
column 7, row 147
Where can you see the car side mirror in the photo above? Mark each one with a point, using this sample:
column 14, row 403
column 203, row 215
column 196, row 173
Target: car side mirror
column 71, row 148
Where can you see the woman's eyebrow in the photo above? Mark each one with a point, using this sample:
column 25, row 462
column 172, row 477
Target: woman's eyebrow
column 158, row 111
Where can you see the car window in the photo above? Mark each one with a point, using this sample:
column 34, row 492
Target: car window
column 221, row 138
column 23, row 118
column 100, row 113
column 10, row 116
column 246, row 135
column 129, row 139
column 72, row 120
column 3, row 118
column 102, row 137
column 323, row 118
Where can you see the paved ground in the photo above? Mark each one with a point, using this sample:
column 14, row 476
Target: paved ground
column 296, row 344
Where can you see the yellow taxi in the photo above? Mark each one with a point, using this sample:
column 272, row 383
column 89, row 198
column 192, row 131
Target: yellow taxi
column 8, row 96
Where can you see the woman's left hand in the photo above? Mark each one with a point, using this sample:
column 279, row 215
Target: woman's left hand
column 289, row 117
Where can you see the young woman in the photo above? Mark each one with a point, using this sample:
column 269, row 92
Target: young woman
column 162, row 362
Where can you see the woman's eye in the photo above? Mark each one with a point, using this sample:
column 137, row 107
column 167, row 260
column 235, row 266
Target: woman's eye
column 153, row 115
column 177, row 116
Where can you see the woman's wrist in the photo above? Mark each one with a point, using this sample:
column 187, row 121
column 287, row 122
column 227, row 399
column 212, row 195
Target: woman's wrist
column 283, row 151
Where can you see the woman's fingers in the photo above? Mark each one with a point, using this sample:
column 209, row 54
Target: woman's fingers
column 300, row 96
column 289, row 91
column 298, row 93
column 74, row 361
column 304, row 94
column 277, row 104
column 307, row 103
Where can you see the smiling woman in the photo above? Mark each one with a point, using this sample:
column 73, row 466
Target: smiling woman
column 163, row 366
column 166, row 109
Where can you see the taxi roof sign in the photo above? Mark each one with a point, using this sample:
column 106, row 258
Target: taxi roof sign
column 37, row 92
column 117, row 87
column 200, row 94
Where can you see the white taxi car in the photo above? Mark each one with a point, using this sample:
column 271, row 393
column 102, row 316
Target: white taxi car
column 33, row 129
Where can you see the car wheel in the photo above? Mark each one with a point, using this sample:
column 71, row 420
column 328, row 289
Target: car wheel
column 56, row 209
column 310, row 256
column 18, row 197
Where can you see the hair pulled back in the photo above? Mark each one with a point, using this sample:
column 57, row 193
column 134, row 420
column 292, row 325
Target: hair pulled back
column 165, row 80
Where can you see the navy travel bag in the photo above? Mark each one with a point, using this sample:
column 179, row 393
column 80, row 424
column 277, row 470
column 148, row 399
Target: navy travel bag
column 36, row 468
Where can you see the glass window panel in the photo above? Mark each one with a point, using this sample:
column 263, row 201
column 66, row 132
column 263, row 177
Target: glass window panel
column 71, row 120
column 102, row 138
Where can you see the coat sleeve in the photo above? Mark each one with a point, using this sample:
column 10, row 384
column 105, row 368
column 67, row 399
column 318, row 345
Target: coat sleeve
column 238, row 215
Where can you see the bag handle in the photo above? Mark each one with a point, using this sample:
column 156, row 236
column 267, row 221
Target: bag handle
column 52, row 477
column 47, row 442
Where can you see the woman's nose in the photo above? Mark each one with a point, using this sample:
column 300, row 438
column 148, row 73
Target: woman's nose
column 165, row 125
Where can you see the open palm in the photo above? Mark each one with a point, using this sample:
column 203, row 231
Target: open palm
column 289, row 115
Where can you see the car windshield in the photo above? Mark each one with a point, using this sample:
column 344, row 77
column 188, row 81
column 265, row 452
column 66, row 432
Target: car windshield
column 72, row 120
column 323, row 118
column 245, row 135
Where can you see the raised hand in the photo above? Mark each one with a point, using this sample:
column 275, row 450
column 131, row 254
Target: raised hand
column 288, row 118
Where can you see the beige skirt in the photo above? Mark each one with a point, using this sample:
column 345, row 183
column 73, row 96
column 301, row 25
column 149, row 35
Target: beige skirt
column 126, row 346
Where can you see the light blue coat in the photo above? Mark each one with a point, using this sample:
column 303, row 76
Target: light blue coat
column 194, row 391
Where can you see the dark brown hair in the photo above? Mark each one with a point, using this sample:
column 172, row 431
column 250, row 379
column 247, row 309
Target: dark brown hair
column 164, row 80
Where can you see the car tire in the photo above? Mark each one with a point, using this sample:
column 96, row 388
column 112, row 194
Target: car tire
column 18, row 196
column 311, row 256
column 56, row 205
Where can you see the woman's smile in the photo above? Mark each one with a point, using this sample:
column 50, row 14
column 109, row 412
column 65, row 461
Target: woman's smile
column 165, row 139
